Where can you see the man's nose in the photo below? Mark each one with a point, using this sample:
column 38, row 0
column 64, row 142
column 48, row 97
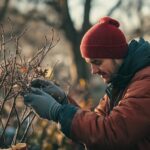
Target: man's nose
column 94, row 69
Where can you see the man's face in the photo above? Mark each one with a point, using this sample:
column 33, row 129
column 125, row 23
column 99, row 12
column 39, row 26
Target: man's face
column 106, row 68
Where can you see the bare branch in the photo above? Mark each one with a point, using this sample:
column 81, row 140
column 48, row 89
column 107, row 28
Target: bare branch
column 86, row 22
column 16, row 73
column 26, row 131
column 114, row 8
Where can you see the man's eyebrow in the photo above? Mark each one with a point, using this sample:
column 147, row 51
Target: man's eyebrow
column 95, row 61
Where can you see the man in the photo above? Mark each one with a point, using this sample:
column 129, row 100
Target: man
column 121, row 121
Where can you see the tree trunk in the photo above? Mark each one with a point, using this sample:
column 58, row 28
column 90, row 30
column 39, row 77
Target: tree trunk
column 4, row 10
column 74, row 37
column 82, row 69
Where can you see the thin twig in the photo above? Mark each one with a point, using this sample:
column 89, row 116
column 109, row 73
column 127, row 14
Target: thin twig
column 26, row 131
column 12, row 108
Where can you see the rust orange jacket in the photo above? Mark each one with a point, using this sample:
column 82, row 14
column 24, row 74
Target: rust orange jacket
column 125, row 127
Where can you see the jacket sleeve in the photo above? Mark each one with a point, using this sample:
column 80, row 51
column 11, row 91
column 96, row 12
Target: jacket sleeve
column 103, row 107
column 126, row 124
column 72, row 101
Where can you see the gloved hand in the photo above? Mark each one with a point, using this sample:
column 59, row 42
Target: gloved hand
column 52, row 89
column 43, row 104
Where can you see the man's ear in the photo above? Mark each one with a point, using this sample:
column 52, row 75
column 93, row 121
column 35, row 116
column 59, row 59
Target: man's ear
column 119, row 61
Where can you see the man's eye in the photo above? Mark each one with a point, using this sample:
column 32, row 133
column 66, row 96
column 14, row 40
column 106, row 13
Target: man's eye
column 97, row 62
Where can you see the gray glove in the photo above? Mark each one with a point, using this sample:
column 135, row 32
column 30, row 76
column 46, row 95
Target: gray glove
column 43, row 104
column 52, row 89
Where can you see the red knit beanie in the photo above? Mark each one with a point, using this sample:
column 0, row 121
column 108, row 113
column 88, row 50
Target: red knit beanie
column 104, row 40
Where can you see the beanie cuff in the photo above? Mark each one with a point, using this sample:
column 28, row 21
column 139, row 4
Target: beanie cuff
column 94, row 51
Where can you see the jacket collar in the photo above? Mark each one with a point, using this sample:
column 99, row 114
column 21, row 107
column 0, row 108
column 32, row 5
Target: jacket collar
column 138, row 57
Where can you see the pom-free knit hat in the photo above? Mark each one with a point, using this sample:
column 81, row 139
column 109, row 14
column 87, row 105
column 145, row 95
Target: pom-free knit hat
column 104, row 40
